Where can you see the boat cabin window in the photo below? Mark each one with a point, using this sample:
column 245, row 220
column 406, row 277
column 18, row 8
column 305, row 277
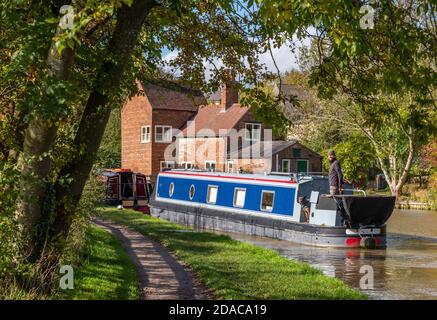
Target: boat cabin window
column 267, row 199
column 212, row 194
column 192, row 192
column 239, row 197
column 171, row 189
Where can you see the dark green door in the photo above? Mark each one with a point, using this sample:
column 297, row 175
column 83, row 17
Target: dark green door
column 302, row 166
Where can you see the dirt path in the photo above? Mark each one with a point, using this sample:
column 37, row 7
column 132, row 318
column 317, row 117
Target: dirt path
column 160, row 275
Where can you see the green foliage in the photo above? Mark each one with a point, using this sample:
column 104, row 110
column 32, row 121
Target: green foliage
column 266, row 108
column 109, row 155
column 356, row 157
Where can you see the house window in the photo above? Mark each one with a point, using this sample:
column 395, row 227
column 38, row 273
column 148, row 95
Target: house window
column 302, row 166
column 286, row 167
column 239, row 197
column 253, row 131
column 230, row 168
column 211, row 197
column 192, row 192
column 171, row 189
column 267, row 199
column 210, row 165
column 163, row 134
column 145, row 134
column 167, row 165
column 296, row 152
column 186, row 165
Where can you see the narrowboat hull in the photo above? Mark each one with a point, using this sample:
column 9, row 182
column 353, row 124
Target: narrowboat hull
column 202, row 218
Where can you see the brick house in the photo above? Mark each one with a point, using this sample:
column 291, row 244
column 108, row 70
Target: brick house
column 147, row 122
column 221, row 136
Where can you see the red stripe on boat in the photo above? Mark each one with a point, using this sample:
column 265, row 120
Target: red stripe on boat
column 226, row 177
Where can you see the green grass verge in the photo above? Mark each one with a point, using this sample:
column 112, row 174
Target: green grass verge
column 233, row 269
column 106, row 272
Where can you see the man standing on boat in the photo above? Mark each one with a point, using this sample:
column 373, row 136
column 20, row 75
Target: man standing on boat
column 335, row 174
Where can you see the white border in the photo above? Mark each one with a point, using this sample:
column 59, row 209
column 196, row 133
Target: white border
column 207, row 190
column 261, row 202
column 164, row 126
column 170, row 187
column 141, row 134
column 189, row 192
column 289, row 165
column 244, row 200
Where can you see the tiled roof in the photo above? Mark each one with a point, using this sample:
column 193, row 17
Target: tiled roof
column 216, row 118
column 293, row 90
column 165, row 94
column 261, row 149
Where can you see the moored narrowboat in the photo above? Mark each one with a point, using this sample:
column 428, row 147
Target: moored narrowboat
column 127, row 188
column 297, row 208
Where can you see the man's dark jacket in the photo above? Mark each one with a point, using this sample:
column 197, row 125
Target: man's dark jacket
column 335, row 174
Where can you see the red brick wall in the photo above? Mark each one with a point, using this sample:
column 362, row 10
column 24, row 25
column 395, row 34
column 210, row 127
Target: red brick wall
column 229, row 94
column 134, row 154
column 145, row 157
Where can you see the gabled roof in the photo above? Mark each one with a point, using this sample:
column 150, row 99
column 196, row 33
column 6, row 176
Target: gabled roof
column 216, row 118
column 293, row 90
column 164, row 94
column 261, row 149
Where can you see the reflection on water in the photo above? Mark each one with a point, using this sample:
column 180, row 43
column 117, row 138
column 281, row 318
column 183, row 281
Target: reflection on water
column 407, row 269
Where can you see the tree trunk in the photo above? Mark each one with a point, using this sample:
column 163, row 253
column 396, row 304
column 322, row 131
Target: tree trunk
column 35, row 161
column 96, row 113
column 395, row 180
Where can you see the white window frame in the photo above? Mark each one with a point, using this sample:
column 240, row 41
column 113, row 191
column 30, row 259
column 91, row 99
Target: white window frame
column 235, row 197
column 185, row 163
column 211, row 162
column 289, row 165
column 210, row 186
column 145, row 136
column 227, row 166
column 246, row 131
column 171, row 189
column 189, row 192
column 165, row 138
column 172, row 163
column 261, row 202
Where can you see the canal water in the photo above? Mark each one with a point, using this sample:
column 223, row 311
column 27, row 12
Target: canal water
column 406, row 269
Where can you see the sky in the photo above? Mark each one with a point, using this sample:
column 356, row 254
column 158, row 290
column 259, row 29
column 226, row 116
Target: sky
column 285, row 59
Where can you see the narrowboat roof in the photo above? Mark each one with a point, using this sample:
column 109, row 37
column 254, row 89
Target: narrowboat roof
column 283, row 178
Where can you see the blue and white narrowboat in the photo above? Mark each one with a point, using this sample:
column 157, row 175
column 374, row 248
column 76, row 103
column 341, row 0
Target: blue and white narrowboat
column 287, row 207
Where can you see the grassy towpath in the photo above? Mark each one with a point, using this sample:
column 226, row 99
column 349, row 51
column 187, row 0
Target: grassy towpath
column 233, row 269
column 105, row 272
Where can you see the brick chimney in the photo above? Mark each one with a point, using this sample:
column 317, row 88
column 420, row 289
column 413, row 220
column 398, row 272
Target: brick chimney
column 229, row 94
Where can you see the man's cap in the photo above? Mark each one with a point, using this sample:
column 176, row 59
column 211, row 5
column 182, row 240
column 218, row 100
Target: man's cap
column 331, row 153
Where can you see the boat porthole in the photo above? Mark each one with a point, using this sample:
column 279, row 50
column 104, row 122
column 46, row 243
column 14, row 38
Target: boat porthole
column 171, row 189
column 192, row 192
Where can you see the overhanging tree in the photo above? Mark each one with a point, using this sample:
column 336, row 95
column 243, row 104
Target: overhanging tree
column 385, row 71
column 65, row 82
